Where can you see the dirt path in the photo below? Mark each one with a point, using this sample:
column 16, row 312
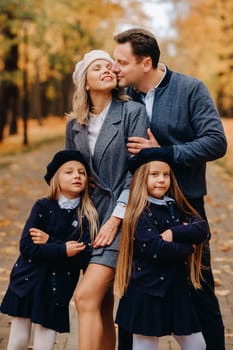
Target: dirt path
column 21, row 183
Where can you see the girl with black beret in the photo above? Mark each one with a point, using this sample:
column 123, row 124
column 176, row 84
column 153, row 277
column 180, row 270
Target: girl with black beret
column 55, row 245
column 159, row 256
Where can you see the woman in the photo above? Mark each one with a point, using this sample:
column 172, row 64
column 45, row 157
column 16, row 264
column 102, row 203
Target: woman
column 102, row 120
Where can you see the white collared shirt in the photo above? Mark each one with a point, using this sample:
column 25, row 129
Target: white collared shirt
column 65, row 203
column 162, row 201
column 94, row 126
column 148, row 99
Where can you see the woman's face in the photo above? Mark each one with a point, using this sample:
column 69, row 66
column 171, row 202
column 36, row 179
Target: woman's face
column 158, row 181
column 100, row 77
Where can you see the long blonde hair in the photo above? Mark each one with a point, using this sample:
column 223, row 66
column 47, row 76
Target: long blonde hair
column 85, row 209
column 136, row 204
column 81, row 103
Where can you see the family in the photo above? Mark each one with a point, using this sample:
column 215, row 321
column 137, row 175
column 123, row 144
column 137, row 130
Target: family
column 125, row 206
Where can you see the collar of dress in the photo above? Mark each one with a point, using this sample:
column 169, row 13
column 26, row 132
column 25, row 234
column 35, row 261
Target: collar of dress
column 65, row 203
column 162, row 201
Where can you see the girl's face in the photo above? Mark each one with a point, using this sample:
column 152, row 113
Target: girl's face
column 100, row 76
column 72, row 179
column 158, row 181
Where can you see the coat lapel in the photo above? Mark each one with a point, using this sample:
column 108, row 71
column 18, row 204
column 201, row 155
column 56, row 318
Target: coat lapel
column 81, row 142
column 108, row 131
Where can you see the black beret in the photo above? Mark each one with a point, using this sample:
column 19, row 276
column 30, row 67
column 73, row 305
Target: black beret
column 146, row 155
column 62, row 157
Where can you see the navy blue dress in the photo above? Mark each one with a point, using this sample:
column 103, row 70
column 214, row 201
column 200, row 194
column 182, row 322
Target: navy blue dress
column 157, row 301
column 43, row 278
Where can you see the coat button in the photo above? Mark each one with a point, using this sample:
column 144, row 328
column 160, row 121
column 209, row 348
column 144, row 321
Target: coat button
column 54, row 289
column 26, row 278
column 144, row 245
column 149, row 229
column 154, row 256
column 139, row 268
column 162, row 278
column 68, row 273
column 75, row 223
column 29, row 260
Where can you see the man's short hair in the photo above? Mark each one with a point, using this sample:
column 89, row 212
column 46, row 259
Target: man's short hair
column 143, row 43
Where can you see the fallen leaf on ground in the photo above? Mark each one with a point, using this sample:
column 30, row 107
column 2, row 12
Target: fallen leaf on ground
column 223, row 292
column 9, row 250
column 5, row 222
column 217, row 220
column 225, row 247
column 223, row 259
column 229, row 335
column 217, row 282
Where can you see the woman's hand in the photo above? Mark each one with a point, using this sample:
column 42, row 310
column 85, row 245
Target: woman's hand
column 107, row 232
column 38, row 236
column 73, row 248
column 167, row 235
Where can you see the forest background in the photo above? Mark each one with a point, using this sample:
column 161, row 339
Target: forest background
column 40, row 42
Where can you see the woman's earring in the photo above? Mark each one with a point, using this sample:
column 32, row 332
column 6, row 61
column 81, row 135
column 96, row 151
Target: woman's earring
column 87, row 88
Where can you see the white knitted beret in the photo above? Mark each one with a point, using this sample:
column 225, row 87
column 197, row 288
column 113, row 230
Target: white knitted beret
column 89, row 57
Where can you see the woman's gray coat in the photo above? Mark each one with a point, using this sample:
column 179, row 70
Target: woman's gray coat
column 109, row 163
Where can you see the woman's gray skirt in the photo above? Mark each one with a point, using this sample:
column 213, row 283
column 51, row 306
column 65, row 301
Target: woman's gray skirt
column 107, row 255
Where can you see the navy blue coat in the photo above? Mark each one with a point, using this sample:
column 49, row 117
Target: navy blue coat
column 184, row 116
column 43, row 278
column 156, row 261
column 36, row 259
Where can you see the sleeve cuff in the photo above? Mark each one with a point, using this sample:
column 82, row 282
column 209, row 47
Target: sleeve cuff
column 119, row 210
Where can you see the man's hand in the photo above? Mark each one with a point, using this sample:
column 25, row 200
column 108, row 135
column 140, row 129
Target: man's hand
column 135, row 144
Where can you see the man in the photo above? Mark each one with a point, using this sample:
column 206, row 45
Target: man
column 182, row 116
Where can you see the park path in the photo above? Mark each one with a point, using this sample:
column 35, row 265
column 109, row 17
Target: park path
column 21, row 183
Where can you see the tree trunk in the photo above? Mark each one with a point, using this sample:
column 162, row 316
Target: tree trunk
column 9, row 90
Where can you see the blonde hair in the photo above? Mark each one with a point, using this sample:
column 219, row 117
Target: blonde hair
column 85, row 209
column 81, row 103
column 136, row 204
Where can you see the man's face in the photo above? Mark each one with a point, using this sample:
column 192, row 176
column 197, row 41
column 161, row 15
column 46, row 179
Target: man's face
column 129, row 70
